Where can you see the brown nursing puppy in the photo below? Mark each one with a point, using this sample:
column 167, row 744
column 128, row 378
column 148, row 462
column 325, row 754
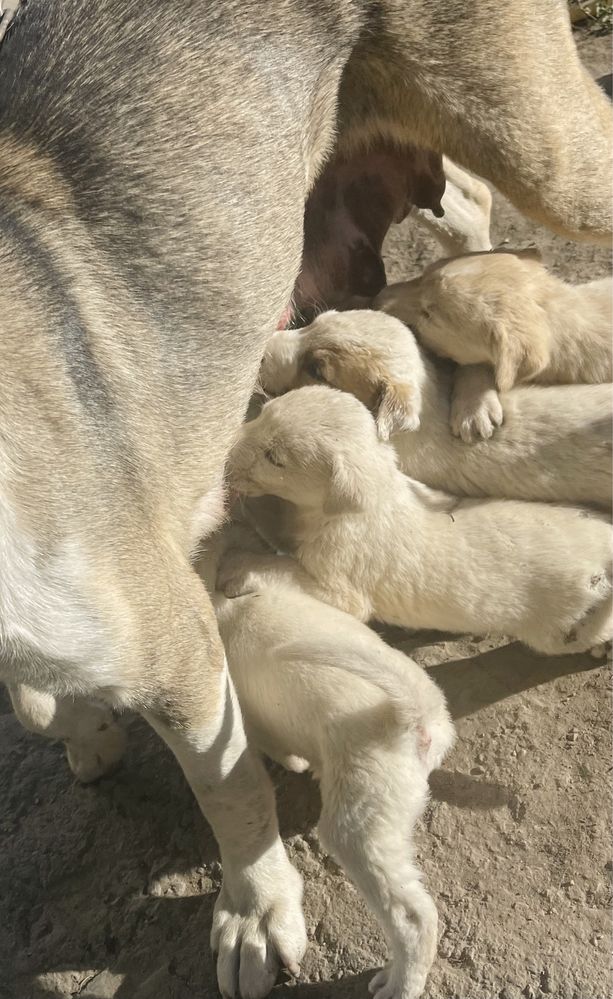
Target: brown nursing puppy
column 155, row 163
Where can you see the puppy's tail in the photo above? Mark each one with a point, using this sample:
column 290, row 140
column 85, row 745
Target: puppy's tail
column 420, row 705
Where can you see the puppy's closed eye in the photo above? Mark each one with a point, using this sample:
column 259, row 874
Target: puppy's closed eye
column 314, row 371
column 273, row 458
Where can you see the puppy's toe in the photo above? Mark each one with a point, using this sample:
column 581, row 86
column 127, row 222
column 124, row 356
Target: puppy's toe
column 396, row 982
column 600, row 651
column 483, row 426
column 383, row 987
column 495, row 410
column 296, row 763
column 378, row 981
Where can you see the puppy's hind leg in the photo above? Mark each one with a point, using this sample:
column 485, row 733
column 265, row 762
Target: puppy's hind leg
column 370, row 803
column 95, row 741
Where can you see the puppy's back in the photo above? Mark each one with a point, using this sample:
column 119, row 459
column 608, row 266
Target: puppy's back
column 335, row 675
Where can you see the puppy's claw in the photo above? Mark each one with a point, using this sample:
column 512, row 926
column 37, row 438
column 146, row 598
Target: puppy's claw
column 480, row 424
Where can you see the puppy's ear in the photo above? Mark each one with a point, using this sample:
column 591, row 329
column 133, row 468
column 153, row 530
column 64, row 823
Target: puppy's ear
column 519, row 350
column 346, row 490
column 397, row 407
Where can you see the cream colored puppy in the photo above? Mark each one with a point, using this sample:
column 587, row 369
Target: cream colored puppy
column 379, row 545
column 505, row 309
column 316, row 685
column 555, row 443
column 467, row 203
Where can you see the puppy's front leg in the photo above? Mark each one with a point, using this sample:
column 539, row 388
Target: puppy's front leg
column 475, row 406
column 258, row 920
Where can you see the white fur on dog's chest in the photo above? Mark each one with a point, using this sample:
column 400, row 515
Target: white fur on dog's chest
column 43, row 608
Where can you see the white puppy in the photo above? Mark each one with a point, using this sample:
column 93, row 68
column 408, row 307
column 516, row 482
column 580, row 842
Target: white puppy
column 380, row 545
column 555, row 443
column 467, row 202
column 505, row 309
column 316, row 685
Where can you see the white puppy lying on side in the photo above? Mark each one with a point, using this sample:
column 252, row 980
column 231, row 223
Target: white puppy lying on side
column 379, row 545
column 467, row 202
column 316, row 685
column 555, row 443
column 504, row 308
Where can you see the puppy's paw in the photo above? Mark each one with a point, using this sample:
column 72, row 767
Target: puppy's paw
column 476, row 419
column 601, row 651
column 297, row 764
column 258, row 927
column 98, row 754
column 390, row 983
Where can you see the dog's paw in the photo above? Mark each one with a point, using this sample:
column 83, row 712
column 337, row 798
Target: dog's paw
column 99, row 753
column 390, row 983
column 254, row 937
column 477, row 421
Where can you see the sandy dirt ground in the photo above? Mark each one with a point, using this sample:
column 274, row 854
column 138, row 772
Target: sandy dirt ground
column 108, row 890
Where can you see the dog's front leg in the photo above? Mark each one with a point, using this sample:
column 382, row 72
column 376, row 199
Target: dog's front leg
column 258, row 922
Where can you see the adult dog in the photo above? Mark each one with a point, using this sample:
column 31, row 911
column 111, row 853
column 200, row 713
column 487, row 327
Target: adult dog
column 155, row 162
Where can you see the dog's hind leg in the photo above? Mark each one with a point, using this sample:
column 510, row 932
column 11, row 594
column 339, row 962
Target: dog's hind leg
column 95, row 741
column 369, row 806
column 258, row 922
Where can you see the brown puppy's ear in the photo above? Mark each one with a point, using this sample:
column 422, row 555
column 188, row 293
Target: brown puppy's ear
column 346, row 490
column 519, row 353
column 396, row 408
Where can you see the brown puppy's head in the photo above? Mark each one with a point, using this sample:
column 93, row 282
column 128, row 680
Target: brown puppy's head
column 479, row 308
column 372, row 356
column 315, row 447
column 355, row 200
